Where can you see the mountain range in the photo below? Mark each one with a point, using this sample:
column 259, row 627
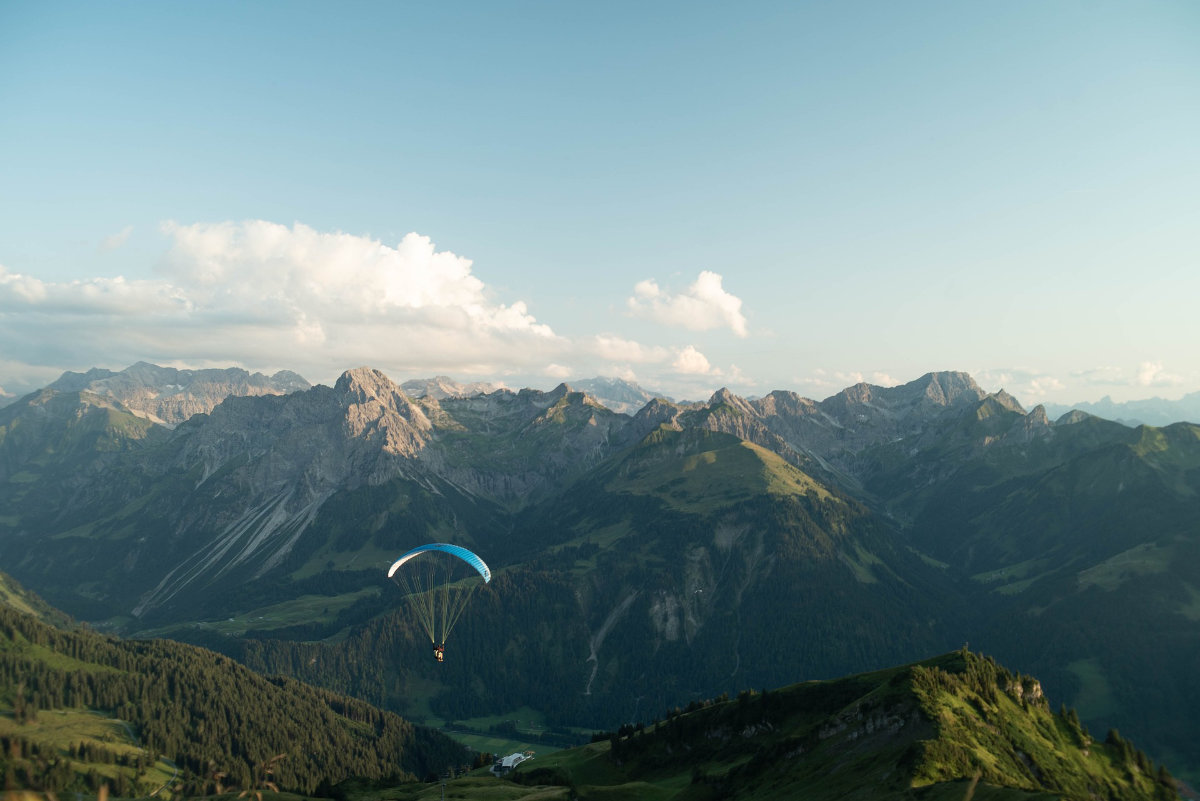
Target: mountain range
column 641, row 559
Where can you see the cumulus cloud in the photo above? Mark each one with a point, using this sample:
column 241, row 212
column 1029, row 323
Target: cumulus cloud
column 673, row 370
column 264, row 294
column 263, row 270
column 619, row 349
column 624, row 373
column 690, row 361
column 1041, row 387
column 97, row 296
column 1152, row 374
column 703, row 306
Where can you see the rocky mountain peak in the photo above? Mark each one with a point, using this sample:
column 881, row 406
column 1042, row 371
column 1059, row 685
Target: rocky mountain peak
column 1072, row 417
column 932, row 391
column 785, row 402
column 373, row 400
column 368, row 383
column 74, row 382
column 538, row 399
column 1034, row 425
column 1009, row 402
column 859, row 393
column 724, row 396
column 658, row 412
column 948, row 388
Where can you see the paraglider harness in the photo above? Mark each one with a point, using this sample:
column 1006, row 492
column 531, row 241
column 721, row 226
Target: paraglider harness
column 439, row 652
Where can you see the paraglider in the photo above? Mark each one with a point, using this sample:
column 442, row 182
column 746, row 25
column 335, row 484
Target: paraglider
column 439, row 580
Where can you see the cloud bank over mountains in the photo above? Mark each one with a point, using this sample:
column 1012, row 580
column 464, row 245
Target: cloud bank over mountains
column 268, row 296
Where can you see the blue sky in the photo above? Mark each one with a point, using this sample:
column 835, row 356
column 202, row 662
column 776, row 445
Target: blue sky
column 690, row 195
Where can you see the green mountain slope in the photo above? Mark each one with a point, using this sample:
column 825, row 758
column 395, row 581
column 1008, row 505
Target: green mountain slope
column 692, row 564
column 78, row 710
column 958, row 726
column 17, row 597
column 51, row 435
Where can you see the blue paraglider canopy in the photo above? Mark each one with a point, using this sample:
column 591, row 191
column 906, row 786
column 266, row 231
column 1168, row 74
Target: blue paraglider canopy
column 462, row 553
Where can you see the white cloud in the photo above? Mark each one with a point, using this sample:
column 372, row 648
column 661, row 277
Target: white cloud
column 624, row 373
column 703, row 306
column 559, row 371
column 96, row 296
column 267, row 295
column 263, row 270
column 1039, row 388
column 114, row 241
column 1151, row 374
column 618, row 353
column 690, row 361
column 618, row 349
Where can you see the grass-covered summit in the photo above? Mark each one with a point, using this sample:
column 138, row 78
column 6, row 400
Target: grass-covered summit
column 953, row 727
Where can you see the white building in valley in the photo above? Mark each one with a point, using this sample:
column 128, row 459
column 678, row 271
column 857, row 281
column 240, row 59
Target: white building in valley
column 505, row 764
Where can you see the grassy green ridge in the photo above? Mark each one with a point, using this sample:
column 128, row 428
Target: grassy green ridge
column 930, row 730
column 14, row 595
column 78, row 710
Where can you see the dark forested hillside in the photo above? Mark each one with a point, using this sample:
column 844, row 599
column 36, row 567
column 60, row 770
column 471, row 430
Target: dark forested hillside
column 202, row 712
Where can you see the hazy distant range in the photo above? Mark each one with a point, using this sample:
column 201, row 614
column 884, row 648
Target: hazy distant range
column 627, row 397
column 1151, row 412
